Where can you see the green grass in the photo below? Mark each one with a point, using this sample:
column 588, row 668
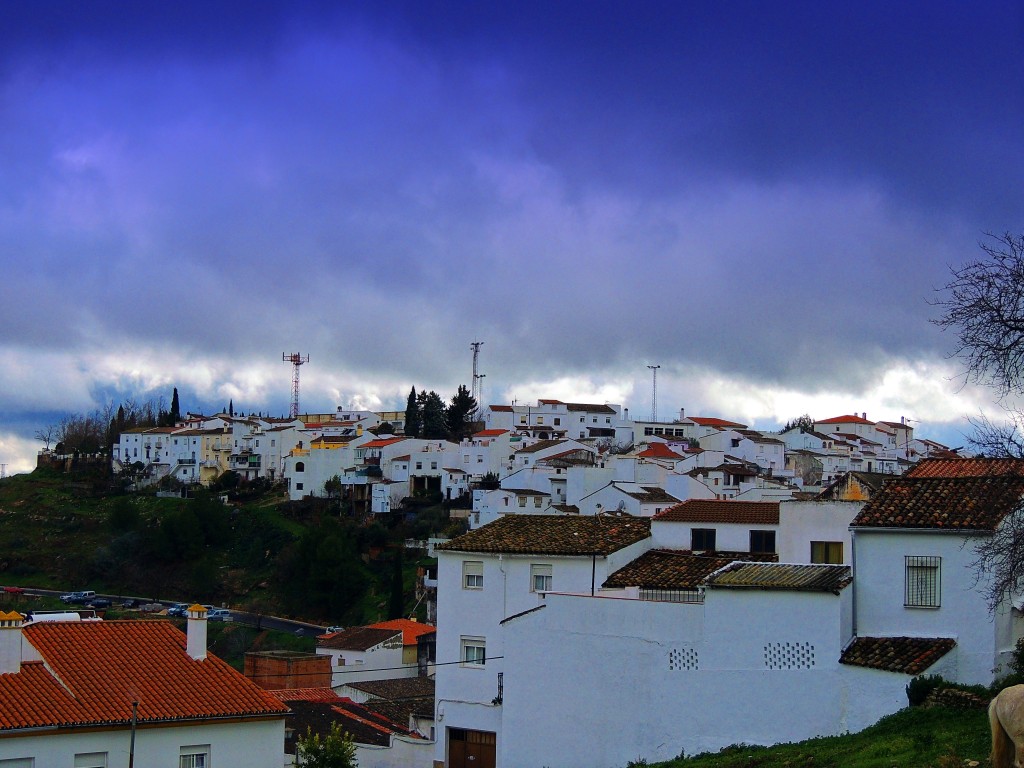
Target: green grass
column 916, row 737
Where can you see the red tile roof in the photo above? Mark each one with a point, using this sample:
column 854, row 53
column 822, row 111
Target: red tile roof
column 357, row 638
column 966, row 467
column 104, row 666
column 553, row 535
column 909, row 655
column 667, row 569
column 722, row 511
column 490, row 433
column 658, row 451
column 381, row 442
column 411, row 630
column 711, row 421
column 848, row 419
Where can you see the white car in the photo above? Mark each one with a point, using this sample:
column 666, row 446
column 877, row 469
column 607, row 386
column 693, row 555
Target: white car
column 219, row 614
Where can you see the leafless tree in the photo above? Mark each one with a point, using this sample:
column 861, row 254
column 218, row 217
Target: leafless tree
column 47, row 434
column 999, row 560
column 984, row 305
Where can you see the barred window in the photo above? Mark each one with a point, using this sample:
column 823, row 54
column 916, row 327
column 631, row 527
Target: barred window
column 923, row 582
column 672, row 595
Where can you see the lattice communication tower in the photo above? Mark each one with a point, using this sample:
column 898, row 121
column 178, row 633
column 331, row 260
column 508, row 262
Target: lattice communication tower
column 654, row 391
column 477, row 384
column 296, row 359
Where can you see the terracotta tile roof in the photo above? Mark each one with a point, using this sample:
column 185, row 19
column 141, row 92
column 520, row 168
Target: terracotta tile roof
column 784, row 576
column 666, row 569
column 324, row 695
column 500, row 408
column 382, row 442
column 356, row 638
column 553, row 535
column 411, row 630
column 104, row 666
column 540, row 445
column 966, row 467
column 711, row 421
column 591, row 408
column 550, row 402
column 953, row 503
column 909, row 655
column 365, row 725
column 568, row 509
column 722, row 511
column 658, row 451
column 490, row 433
column 400, row 688
column 648, row 494
column 400, row 710
column 848, row 419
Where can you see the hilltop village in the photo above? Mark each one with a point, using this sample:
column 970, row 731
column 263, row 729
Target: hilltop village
column 624, row 589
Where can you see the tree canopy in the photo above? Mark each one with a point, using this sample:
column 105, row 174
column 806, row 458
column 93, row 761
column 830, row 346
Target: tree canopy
column 334, row 750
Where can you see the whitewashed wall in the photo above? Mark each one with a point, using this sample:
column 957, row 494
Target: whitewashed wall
column 801, row 522
column 880, row 568
column 254, row 745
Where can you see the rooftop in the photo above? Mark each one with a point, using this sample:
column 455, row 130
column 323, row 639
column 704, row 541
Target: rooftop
column 553, row 535
column 782, row 576
column 722, row 511
column 91, row 672
column 909, row 655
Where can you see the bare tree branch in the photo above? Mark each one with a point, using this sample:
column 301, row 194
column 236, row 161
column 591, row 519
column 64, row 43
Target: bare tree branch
column 984, row 305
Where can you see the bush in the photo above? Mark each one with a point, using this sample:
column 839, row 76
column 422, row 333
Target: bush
column 919, row 688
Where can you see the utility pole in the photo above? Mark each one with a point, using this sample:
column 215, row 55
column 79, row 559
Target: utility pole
column 296, row 359
column 475, row 346
column 654, row 391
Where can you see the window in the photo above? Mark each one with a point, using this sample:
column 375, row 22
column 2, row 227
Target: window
column 557, row 421
column 433, row 465
column 762, row 542
column 540, row 419
column 419, row 465
column 298, row 486
column 540, row 578
column 473, row 651
column 702, row 539
column 472, row 574
column 536, row 501
column 91, row 760
column 300, row 466
column 18, row 762
column 479, row 459
column 923, row 582
column 273, row 443
column 194, row 757
column 522, row 501
column 827, row 552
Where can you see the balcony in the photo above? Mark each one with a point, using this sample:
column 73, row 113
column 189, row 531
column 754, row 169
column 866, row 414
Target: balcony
column 187, row 462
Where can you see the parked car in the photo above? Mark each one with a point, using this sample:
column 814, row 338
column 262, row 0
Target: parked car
column 99, row 602
column 178, row 609
column 219, row 614
column 78, row 598
column 14, row 590
column 131, row 603
column 336, row 628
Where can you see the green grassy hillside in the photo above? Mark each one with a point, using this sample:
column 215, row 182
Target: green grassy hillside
column 305, row 560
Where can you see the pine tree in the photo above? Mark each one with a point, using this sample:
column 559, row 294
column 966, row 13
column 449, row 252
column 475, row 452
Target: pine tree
column 460, row 414
column 175, row 408
column 412, row 415
column 433, row 414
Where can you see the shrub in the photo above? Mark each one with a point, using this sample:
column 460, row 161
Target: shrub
column 919, row 688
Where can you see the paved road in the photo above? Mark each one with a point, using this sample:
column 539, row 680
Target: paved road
column 262, row 621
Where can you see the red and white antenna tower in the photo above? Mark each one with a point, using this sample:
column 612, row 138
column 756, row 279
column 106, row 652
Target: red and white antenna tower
column 296, row 359
column 654, row 391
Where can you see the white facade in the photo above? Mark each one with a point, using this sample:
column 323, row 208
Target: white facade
column 824, row 522
column 255, row 744
column 692, row 681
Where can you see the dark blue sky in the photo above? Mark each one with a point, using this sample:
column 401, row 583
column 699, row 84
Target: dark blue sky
column 759, row 198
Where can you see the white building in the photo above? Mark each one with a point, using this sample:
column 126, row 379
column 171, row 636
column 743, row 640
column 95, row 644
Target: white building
column 67, row 691
column 499, row 571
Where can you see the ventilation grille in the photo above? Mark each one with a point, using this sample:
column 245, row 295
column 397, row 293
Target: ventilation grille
column 789, row 656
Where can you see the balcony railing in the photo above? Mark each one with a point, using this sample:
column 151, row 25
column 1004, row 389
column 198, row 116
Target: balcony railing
column 187, row 462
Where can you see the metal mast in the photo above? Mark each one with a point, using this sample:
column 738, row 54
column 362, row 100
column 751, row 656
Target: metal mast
column 654, row 391
column 475, row 346
column 296, row 359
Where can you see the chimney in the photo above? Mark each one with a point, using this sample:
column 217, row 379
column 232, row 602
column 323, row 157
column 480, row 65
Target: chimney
column 682, row 414
column 864, row 415
column 195, row 643
column 10, row 642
